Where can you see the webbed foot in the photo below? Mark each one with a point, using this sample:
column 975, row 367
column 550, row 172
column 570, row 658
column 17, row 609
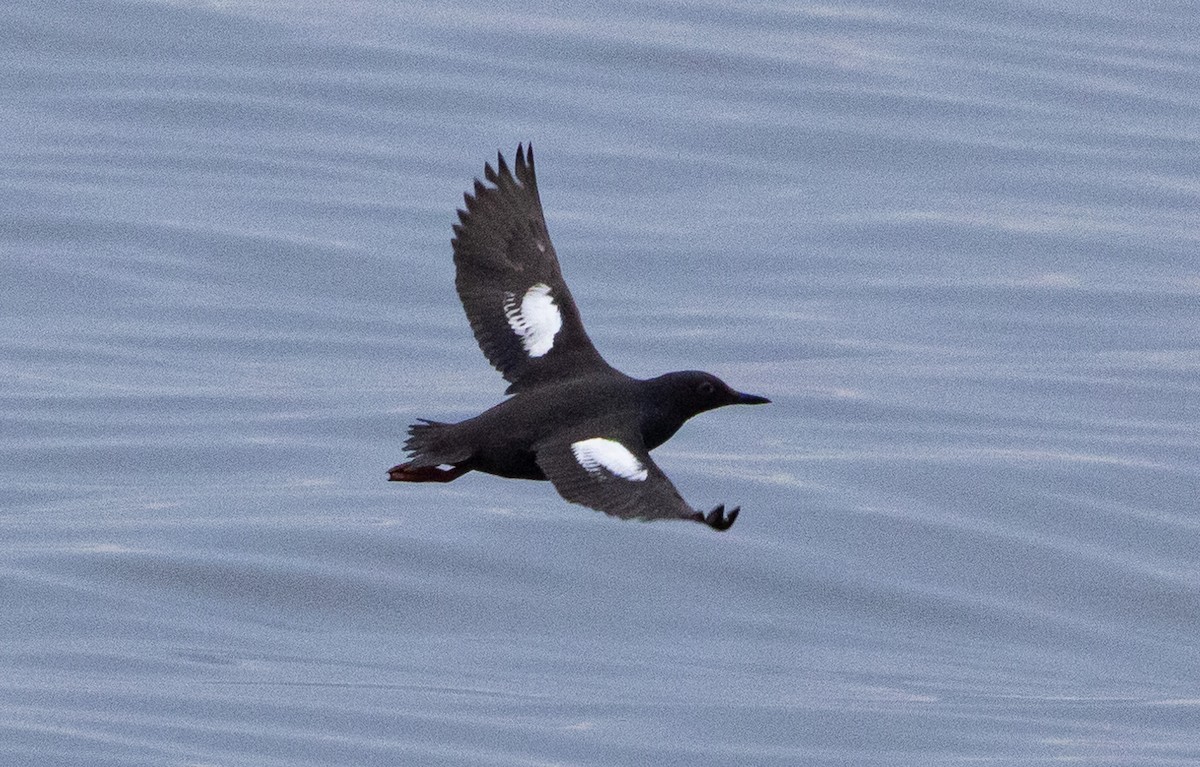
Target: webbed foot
column 406, row 472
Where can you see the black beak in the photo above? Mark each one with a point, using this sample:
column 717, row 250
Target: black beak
column 750, row 399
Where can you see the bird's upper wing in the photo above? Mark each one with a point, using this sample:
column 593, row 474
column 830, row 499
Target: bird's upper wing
column 510, row 283
column 602, row 464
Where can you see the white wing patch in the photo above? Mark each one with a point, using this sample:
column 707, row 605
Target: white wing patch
column 536, row 320
column 598, row 453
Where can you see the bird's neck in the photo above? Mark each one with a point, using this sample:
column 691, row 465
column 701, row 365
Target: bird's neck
column 660, row 418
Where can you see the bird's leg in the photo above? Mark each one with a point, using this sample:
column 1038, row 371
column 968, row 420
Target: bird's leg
column 717, row 519
column 406, row 472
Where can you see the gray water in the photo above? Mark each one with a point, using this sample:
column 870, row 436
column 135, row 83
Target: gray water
column 954, row 243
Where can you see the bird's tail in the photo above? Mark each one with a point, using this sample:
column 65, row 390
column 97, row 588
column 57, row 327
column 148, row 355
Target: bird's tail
column 432, row 443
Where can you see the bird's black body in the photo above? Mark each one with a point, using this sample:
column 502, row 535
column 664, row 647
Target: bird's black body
column 501, row 439
column 573, row 419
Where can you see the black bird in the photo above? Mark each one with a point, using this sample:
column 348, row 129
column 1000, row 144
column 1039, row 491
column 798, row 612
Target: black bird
column 573, row 419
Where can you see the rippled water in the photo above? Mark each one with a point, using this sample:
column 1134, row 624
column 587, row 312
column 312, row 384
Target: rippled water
column 956, row 246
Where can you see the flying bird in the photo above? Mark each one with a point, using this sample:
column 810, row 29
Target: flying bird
column 572, row 419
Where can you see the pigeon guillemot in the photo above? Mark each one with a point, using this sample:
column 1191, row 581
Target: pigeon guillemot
column 573, row 419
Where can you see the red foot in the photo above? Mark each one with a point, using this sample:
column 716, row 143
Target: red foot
column 406, row 472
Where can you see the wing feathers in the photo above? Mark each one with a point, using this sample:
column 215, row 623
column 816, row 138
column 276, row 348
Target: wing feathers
column 604, row 465
column 502, row 251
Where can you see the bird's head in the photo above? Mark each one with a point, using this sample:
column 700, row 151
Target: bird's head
column 693, row 391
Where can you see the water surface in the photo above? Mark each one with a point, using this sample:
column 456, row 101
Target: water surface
column 954, row 245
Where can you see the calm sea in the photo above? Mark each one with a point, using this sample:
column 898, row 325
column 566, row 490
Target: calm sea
column 955, row 243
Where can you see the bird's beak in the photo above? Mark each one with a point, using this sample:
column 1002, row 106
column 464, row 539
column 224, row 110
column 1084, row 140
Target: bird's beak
column 750, row 399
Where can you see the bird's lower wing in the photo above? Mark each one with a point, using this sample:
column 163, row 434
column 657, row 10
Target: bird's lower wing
column 606, row 467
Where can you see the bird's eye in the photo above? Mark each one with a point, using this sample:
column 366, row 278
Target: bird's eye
column 705, row 388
